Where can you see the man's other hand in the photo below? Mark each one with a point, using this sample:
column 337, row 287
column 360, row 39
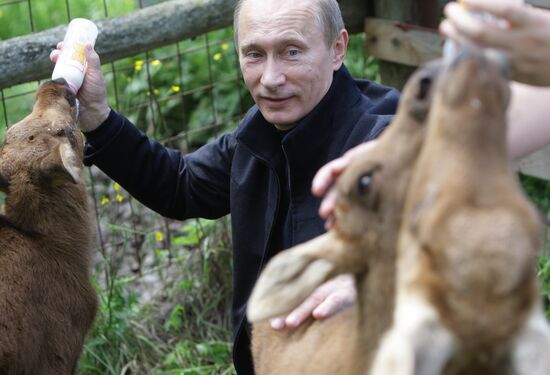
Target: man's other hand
column 325, row 177
column 328, row 299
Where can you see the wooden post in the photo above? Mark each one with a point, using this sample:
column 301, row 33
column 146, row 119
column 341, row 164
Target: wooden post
column 419, row 12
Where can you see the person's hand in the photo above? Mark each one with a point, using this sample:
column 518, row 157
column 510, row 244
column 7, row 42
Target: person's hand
column 93, row 93
column 522, row 34
column 325, row 177
column 328, row 299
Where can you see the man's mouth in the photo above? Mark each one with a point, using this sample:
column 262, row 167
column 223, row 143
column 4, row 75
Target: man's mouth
column 275, row 101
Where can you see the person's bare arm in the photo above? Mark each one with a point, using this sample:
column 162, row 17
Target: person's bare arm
column 528, row 119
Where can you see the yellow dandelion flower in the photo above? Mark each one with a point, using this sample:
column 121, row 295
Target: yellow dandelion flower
column 116, row 187
column 158, row 236
column 225, row 46
column 104, row 201
column 129, row 79
column 156, row 91
column 138, row 65
column 155, row 62
column 217, row 56
column 175, row 88
column 119, row 198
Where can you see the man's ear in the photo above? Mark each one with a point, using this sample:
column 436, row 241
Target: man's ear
column 339, row 48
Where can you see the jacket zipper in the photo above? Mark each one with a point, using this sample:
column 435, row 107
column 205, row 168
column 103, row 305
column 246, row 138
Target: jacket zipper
column 263, row 161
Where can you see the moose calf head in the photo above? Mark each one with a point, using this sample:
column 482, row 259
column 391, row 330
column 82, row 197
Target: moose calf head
column 44, row 150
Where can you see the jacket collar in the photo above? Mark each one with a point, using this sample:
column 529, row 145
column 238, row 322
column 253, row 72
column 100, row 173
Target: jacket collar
column 312, row 134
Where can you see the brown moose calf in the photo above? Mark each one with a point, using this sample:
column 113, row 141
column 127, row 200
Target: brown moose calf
column 47, row 303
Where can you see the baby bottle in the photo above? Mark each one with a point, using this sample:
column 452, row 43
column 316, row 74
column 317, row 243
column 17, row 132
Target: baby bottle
column 71, row 63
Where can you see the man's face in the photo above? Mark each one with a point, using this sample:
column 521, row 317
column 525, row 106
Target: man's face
column 285, row 61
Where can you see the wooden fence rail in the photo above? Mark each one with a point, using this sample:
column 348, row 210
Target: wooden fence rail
column 26, row 58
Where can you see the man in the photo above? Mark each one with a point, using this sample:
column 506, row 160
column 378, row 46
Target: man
column 308, row 111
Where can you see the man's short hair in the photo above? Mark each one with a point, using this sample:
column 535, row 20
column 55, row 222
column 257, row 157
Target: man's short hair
column 329, row 18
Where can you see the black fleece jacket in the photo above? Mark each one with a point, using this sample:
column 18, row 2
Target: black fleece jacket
column 262, row 177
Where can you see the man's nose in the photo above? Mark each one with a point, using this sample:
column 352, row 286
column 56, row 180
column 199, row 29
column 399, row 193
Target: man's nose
column 273, row 75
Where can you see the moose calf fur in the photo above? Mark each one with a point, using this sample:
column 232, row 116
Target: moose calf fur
column 467, row 297
column 370, row 198
column 47, row 303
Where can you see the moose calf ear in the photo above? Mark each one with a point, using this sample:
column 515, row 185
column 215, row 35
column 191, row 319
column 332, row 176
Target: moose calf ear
column 71, row 162
column 62, row 162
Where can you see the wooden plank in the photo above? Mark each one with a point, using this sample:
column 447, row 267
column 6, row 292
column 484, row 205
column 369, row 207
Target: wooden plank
column 401, row 43
column 424, row 13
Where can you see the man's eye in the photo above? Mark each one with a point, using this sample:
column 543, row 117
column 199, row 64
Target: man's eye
column 253, row 55
column 293, row 52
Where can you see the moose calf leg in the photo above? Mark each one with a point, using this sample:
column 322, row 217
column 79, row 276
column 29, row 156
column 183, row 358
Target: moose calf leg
column 417, row 343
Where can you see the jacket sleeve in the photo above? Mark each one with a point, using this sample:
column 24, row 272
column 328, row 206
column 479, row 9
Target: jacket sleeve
column 175, row 185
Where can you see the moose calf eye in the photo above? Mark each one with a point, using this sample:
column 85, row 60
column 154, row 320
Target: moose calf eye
column 363, row 184
column 60, row 133
column 31, row 137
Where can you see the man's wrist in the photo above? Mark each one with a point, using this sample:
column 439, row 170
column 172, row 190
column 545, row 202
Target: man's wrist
column 91, row 120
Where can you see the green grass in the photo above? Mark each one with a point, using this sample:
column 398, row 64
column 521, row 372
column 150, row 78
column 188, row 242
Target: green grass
column 184, row 328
